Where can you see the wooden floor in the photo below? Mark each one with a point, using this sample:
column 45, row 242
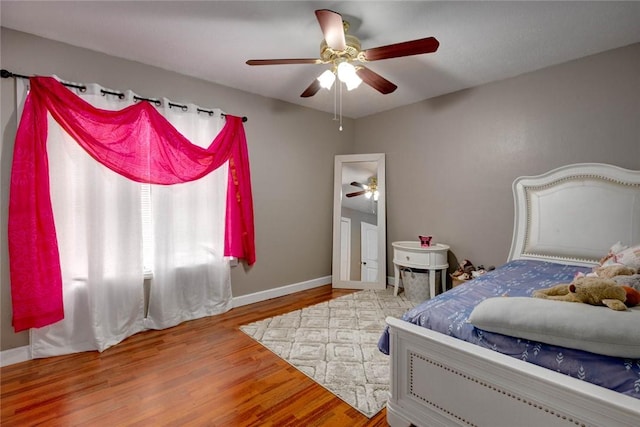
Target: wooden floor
column 202, row 373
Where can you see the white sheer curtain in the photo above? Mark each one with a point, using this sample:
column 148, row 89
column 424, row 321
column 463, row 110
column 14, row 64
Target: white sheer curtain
column 98, row 225
column 100, row 232
column 191, row 277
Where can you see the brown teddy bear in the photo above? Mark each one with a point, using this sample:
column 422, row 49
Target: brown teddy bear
column 588, row 290
column 610, row 271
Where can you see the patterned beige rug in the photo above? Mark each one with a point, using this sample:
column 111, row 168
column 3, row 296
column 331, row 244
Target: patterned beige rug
column 335, row 343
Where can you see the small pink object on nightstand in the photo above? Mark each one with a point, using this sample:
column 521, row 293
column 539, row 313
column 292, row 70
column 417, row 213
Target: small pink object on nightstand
column 425, row 241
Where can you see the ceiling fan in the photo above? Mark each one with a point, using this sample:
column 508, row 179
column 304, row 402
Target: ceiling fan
column 368, row 190
column 341, row 49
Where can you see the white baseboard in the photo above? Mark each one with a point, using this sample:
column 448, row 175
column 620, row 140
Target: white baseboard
column 15, row 355
column 22, row 354
column 279, row 292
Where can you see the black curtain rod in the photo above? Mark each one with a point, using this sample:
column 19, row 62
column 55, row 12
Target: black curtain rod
column 7, row 74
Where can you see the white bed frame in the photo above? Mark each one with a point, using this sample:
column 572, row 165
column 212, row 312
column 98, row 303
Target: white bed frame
column 571, row 215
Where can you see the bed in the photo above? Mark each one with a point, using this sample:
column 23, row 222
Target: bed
column 565, row 221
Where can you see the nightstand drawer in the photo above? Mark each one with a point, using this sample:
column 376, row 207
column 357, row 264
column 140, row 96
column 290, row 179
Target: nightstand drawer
column 433, row 256
column 407, row 257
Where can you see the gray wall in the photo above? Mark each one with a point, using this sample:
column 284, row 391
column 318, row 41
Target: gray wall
column 450, row 161
column 290, row 147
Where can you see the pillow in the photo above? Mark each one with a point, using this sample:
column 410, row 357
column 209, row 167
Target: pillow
column 572, row 325
column 629, row 257
column 610, row 257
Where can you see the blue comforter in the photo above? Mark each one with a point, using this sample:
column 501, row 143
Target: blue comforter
column 448, row 314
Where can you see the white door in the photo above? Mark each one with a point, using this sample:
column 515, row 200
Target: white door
column 369, row 252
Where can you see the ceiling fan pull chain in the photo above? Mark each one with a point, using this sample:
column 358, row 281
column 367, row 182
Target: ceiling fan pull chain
column 340, row 128
column 335, row 102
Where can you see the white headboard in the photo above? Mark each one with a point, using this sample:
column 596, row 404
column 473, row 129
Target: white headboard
column 575, row 213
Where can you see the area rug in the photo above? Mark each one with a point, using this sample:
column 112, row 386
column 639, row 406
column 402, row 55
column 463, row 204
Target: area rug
column 335, row 343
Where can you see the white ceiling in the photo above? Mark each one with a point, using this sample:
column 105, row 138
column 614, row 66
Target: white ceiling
column 480, row 41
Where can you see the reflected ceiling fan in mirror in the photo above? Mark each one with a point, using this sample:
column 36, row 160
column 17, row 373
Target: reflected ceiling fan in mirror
column 369, row 190
column 341, row 50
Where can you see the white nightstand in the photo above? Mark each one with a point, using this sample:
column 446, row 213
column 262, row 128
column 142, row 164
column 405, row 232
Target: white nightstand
column 432, row 258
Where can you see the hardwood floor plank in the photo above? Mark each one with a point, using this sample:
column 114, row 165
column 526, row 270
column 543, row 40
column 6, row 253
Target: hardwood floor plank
column 205, row 372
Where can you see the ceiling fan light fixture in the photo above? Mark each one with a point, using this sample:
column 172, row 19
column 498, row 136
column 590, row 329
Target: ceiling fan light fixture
column 346, row 71
column 347, row 75
column 353, row 82
column 326, row 79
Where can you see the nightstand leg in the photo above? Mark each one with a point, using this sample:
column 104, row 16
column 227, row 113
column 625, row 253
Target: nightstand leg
column 432, row 283
column 396, row 279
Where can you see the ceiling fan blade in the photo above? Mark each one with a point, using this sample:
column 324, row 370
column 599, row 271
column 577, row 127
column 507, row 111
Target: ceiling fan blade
column 332, row 28
column 284, row 61
column 414, row 47
column 357, row 193
column 313, row 88
column 376, row 81
column 357, row 184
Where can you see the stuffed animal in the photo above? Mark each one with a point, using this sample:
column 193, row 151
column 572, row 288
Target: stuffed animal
column 633, row 296
column 588, row 290
column 609, row 271
column 631, row 281
column 613, row 270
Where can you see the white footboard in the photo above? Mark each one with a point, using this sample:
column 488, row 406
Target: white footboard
column 437, row 380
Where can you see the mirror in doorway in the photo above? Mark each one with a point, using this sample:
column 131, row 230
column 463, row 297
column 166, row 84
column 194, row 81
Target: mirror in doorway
column 359, row 246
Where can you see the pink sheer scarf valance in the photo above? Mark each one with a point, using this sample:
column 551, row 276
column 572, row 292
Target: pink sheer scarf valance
column 136, row 142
